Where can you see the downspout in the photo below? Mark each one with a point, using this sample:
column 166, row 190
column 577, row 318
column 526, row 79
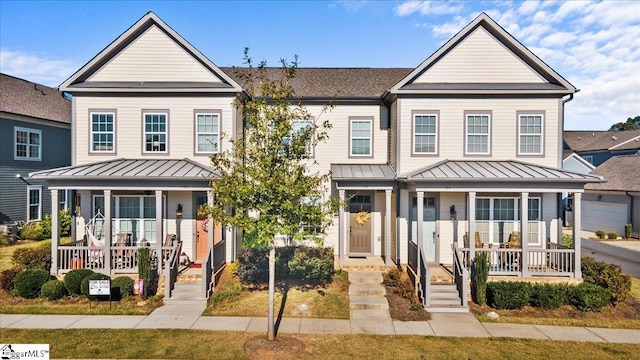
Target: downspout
column 560, row 208
column 631, row 210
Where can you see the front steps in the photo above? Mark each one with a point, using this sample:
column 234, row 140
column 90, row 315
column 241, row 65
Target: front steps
column 443, row 293
column 367, row 299
column 186, row 290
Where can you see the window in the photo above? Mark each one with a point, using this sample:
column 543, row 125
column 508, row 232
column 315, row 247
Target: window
column 425, row 133
column 34, row 203
column 497, row 218
column 360, row 137
column 132, row 214
column 478, row 134
column 27, row 144
column 103, row 130
column 207, row 133
column 155, row 132
column 530, row 134
column 62, row 196
column 588, row 158
column 300, row 126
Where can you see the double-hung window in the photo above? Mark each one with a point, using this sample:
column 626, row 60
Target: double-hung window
column 297, row 127
column 425, row 133
column 155, row 132
column 207, row 133
column 497, row 218
column 103, row 132
column 360, row 137
column 478, row 133
column 530, row 134
column 34, row 202
column 27, row 144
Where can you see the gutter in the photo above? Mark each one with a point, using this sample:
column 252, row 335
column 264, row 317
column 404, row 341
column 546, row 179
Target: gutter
column 631, row 210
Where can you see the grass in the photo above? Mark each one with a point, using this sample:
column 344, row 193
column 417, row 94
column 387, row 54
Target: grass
column 201, row 344
column 6, row 252
column 231, row 298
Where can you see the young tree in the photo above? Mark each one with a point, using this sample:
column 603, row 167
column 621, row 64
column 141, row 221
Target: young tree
column 265, row 186
column 630, row 124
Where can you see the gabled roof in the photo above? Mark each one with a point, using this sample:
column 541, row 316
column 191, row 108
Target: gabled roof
column 602, row 140
column 555, row 83
column 497, row 171
column 27, row 98
column 362, row 172
column 622, row 173
column 81, row 79
column 567, row 154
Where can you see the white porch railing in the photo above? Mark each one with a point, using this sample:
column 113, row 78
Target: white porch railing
column 554, row 261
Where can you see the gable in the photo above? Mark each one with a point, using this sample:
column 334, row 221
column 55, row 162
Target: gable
column 480, row 58
column 153, row 56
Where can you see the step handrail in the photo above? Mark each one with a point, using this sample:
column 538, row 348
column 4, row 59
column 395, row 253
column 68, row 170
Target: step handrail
column 461, row 274
column 171, row 265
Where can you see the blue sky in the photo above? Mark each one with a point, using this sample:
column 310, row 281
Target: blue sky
column 594, row 45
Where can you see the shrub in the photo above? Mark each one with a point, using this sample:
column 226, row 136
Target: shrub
column 549, row 296
column 85, row 284
column 567, row 240
column 627, row 231
column 145, row 272
column 32, row 231
column 29, row 282
column 600, row 234
column 121, row 286
column 73, row 280
column 253, row 266
column 33, row 258
column 7, row 277
column 608, row 276
column 292, row 263
column 65, row 224
column 5, row 239
column 508, row 295
column 392, row 277
column 311, row 263
column 612, row 235
column 479, row 276
column 53, row 290
column 590, row 297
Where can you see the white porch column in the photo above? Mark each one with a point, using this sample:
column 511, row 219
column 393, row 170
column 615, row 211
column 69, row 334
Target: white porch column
column 524, row 232
column 420, row 226
column 472, row 226
column 387, row 228
column 211, row 228
column 108, row 231
column 341, row 228
column 159, row 237
column 55, row 230
column 577, row 233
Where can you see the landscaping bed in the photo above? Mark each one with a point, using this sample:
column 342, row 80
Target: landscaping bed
column 403, row 303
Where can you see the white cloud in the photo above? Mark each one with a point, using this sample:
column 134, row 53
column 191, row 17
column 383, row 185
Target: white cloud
column 558, row 39
column 428, row 8
column 43, row 70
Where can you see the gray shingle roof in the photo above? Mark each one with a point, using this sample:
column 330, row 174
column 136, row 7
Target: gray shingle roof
column 128, row 169
column 601, row 140
column 369, row 172
column 622, row 173
column 26, row 98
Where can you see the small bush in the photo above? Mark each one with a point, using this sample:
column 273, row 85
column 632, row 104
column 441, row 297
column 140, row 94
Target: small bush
column 5, row 239
column 612, row 235
column 590, row 297
column 311, row 263
column 567, row 240
column 628, row 228
column 32, row 231
column 121, row 286
column 65, row 224
column 608, row 276
column 292, row 263
column 508, row 295
column 33, row 258
column 392, row 277
column 479, row 277
column 7, row 277
column 29, row 282
column 85, row 285
column 600, row 234
column 549, row 296
column 53, row 290
column 73, row 280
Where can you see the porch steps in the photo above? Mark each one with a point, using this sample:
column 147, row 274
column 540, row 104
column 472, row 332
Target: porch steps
column 366, row 296
column 444, row 298
column 187, row 289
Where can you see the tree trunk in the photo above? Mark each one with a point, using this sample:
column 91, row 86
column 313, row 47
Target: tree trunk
column 272, row 285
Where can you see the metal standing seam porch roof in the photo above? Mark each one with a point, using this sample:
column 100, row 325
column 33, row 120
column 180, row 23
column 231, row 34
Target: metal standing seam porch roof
column 130, row 169
column 360, row 172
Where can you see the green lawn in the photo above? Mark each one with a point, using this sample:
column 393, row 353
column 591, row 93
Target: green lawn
column 6, row 252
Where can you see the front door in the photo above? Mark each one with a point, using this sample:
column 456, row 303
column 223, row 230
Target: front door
column 202, row 229
column 428, row 227
column 360, row 225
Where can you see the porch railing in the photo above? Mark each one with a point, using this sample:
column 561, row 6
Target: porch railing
column 460, row 274
column 211, row 266
column 421, row 276
column 171, row 263
column 554, row 261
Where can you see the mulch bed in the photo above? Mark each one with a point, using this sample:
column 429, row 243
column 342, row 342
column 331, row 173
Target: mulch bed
column 400, row 308
column 281, row 348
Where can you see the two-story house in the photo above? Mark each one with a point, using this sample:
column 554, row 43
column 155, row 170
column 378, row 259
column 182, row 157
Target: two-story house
column 463, row 144
column 35, row 134
column 597, row 147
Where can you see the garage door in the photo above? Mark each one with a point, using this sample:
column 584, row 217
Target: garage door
column 597, row 215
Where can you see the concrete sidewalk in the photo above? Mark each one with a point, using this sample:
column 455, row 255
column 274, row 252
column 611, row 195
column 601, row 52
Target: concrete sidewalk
column 441, row 324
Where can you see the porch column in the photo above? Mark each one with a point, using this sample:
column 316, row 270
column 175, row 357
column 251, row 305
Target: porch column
column 387, row 228
column 341, row 228
column 108, row 231
column 420, row 226
column 212, row 229
column 55, row 230
column 472, row 226
column 577, row 233
column 524, row 232
column 159, row 238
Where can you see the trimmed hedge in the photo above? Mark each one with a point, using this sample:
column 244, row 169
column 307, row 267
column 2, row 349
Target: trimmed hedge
column 53, row 290
column 508, row 295
column 296, row 264
column 29, row 282
column 73, row 280
column 33, row 258
column 121, row 286
column 590, row 297
column 7, row 277
column 608, row 276
column 85, row 285
column 549, row 296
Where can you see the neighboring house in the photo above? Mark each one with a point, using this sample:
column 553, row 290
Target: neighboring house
column 597, row 146
column 574, row 162
column 610, row 205
column 35, row 134
column 466, row 142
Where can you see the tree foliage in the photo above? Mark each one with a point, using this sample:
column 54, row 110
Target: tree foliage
column 630, row 124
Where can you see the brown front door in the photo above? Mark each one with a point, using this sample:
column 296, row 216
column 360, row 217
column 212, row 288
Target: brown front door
column 360, row 224
column 202, row 228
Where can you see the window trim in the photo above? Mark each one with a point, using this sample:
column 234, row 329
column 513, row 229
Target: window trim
column 115, row 122
column 489, row 115
column 217, row 112
column 519, row 115
column 517, row 216
column 15, row 144
column 415, row 113
column 144, row 132
column 29, row 205
column 353, row 119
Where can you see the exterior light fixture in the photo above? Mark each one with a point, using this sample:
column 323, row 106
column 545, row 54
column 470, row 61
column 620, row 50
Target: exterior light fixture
column 452, row 212
column 179, row 211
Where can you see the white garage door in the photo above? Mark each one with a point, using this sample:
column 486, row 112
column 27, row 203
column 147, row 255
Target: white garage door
column 597, row 215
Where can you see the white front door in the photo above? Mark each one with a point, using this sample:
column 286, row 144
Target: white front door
column 428, row 225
